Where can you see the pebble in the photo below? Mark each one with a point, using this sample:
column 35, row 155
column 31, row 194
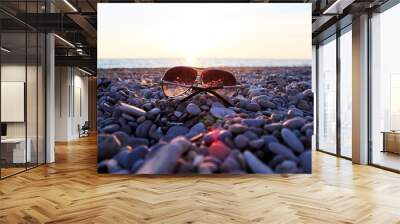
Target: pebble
column 294, row 123
column 237, row 128
column 219, row 150
column 193, row 109
column 305, row 161
column 111, row 128
column 254, row 122
column 280, row 149
column 241, row 141
column 221, row 112
column 143, row 129
column 165, row 160
column 287, row 166
column 132, row 110
column 253, row 107
column 291, row 140
column 272, row 116
column 257, row 143
column 178, row 114
column 273, row 127
column 255, row 164
column 133, row 156
column 175, row 131
column 107, row 146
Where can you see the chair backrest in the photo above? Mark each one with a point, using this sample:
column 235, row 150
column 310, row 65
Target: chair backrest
column 86, row 125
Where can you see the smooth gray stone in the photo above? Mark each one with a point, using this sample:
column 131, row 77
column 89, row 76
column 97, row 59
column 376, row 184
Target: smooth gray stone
column 111, row 128
column 280, row 149
column 108, row 146
column 293, row 123
column 306, row 161
column 133, row 156
column 217, row 104
column 208, row 139
column 253, row 107
column 193, row 109
column 276, row 117
column 308, row 93
column 276, row 160
column 175, row 131
column 237, row 128
column 196, row 129
column 294, row 112
column 250, row 135
column 165, row 159
column 141, row 119
column 154, row 112
column 197, row 160
column 241, row 141
column 291, row 140
column 230, row 164
column 254, row 122
column 257, row 143
column 256, row 165
column 127, row 117
column 219, row 150
column 133, row 141
column 122, row 137
column 273, row 127
column 178, row 114
column 309, row 125
column 287, row 166
column 221, row 112
column 264, row 101
column 155, row 132
column 139, row 163
column 143, row 129
column 206, row 168
column 132, row 110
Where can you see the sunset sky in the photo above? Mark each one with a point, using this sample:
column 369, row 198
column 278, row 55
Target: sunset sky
column 270, row 31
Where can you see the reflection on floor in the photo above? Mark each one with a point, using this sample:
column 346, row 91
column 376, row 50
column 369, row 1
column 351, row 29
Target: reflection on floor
column 71, row 191
column 386, row 159
column 8, row 170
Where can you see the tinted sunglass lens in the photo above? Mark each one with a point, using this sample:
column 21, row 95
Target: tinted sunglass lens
column 219, row 78
column 176, row 81
column 214, row 77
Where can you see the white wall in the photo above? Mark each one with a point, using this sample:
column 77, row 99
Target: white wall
column 70, row 84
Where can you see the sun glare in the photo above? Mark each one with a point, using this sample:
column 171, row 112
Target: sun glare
column 191, row 61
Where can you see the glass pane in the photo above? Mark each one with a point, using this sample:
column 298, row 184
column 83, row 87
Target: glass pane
column 41, row 98
column 385, row 84
column 13, row 85
column 346, row 94
column 327, row 97
column 31, row 97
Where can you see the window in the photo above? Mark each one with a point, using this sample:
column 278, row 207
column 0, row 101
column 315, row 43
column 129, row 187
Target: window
column 385, row 89
column 327, row 96
column 346, row 93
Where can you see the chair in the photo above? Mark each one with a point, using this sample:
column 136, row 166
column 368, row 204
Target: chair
column 84, row 130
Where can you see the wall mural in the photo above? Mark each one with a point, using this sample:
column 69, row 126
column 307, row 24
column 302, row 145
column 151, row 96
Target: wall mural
column 204, row 88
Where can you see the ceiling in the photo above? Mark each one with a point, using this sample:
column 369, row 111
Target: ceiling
column 76, row 21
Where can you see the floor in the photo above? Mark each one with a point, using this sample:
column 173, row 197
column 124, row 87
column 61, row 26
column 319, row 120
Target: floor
column 387, row 159
column 70, row 191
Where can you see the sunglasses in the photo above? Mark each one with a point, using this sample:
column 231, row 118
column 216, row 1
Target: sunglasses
column 182, row 80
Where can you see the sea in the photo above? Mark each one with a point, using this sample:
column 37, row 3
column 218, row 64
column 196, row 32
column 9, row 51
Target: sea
column 198, row 62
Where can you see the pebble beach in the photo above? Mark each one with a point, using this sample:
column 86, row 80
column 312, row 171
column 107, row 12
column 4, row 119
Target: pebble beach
column 267, row 130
